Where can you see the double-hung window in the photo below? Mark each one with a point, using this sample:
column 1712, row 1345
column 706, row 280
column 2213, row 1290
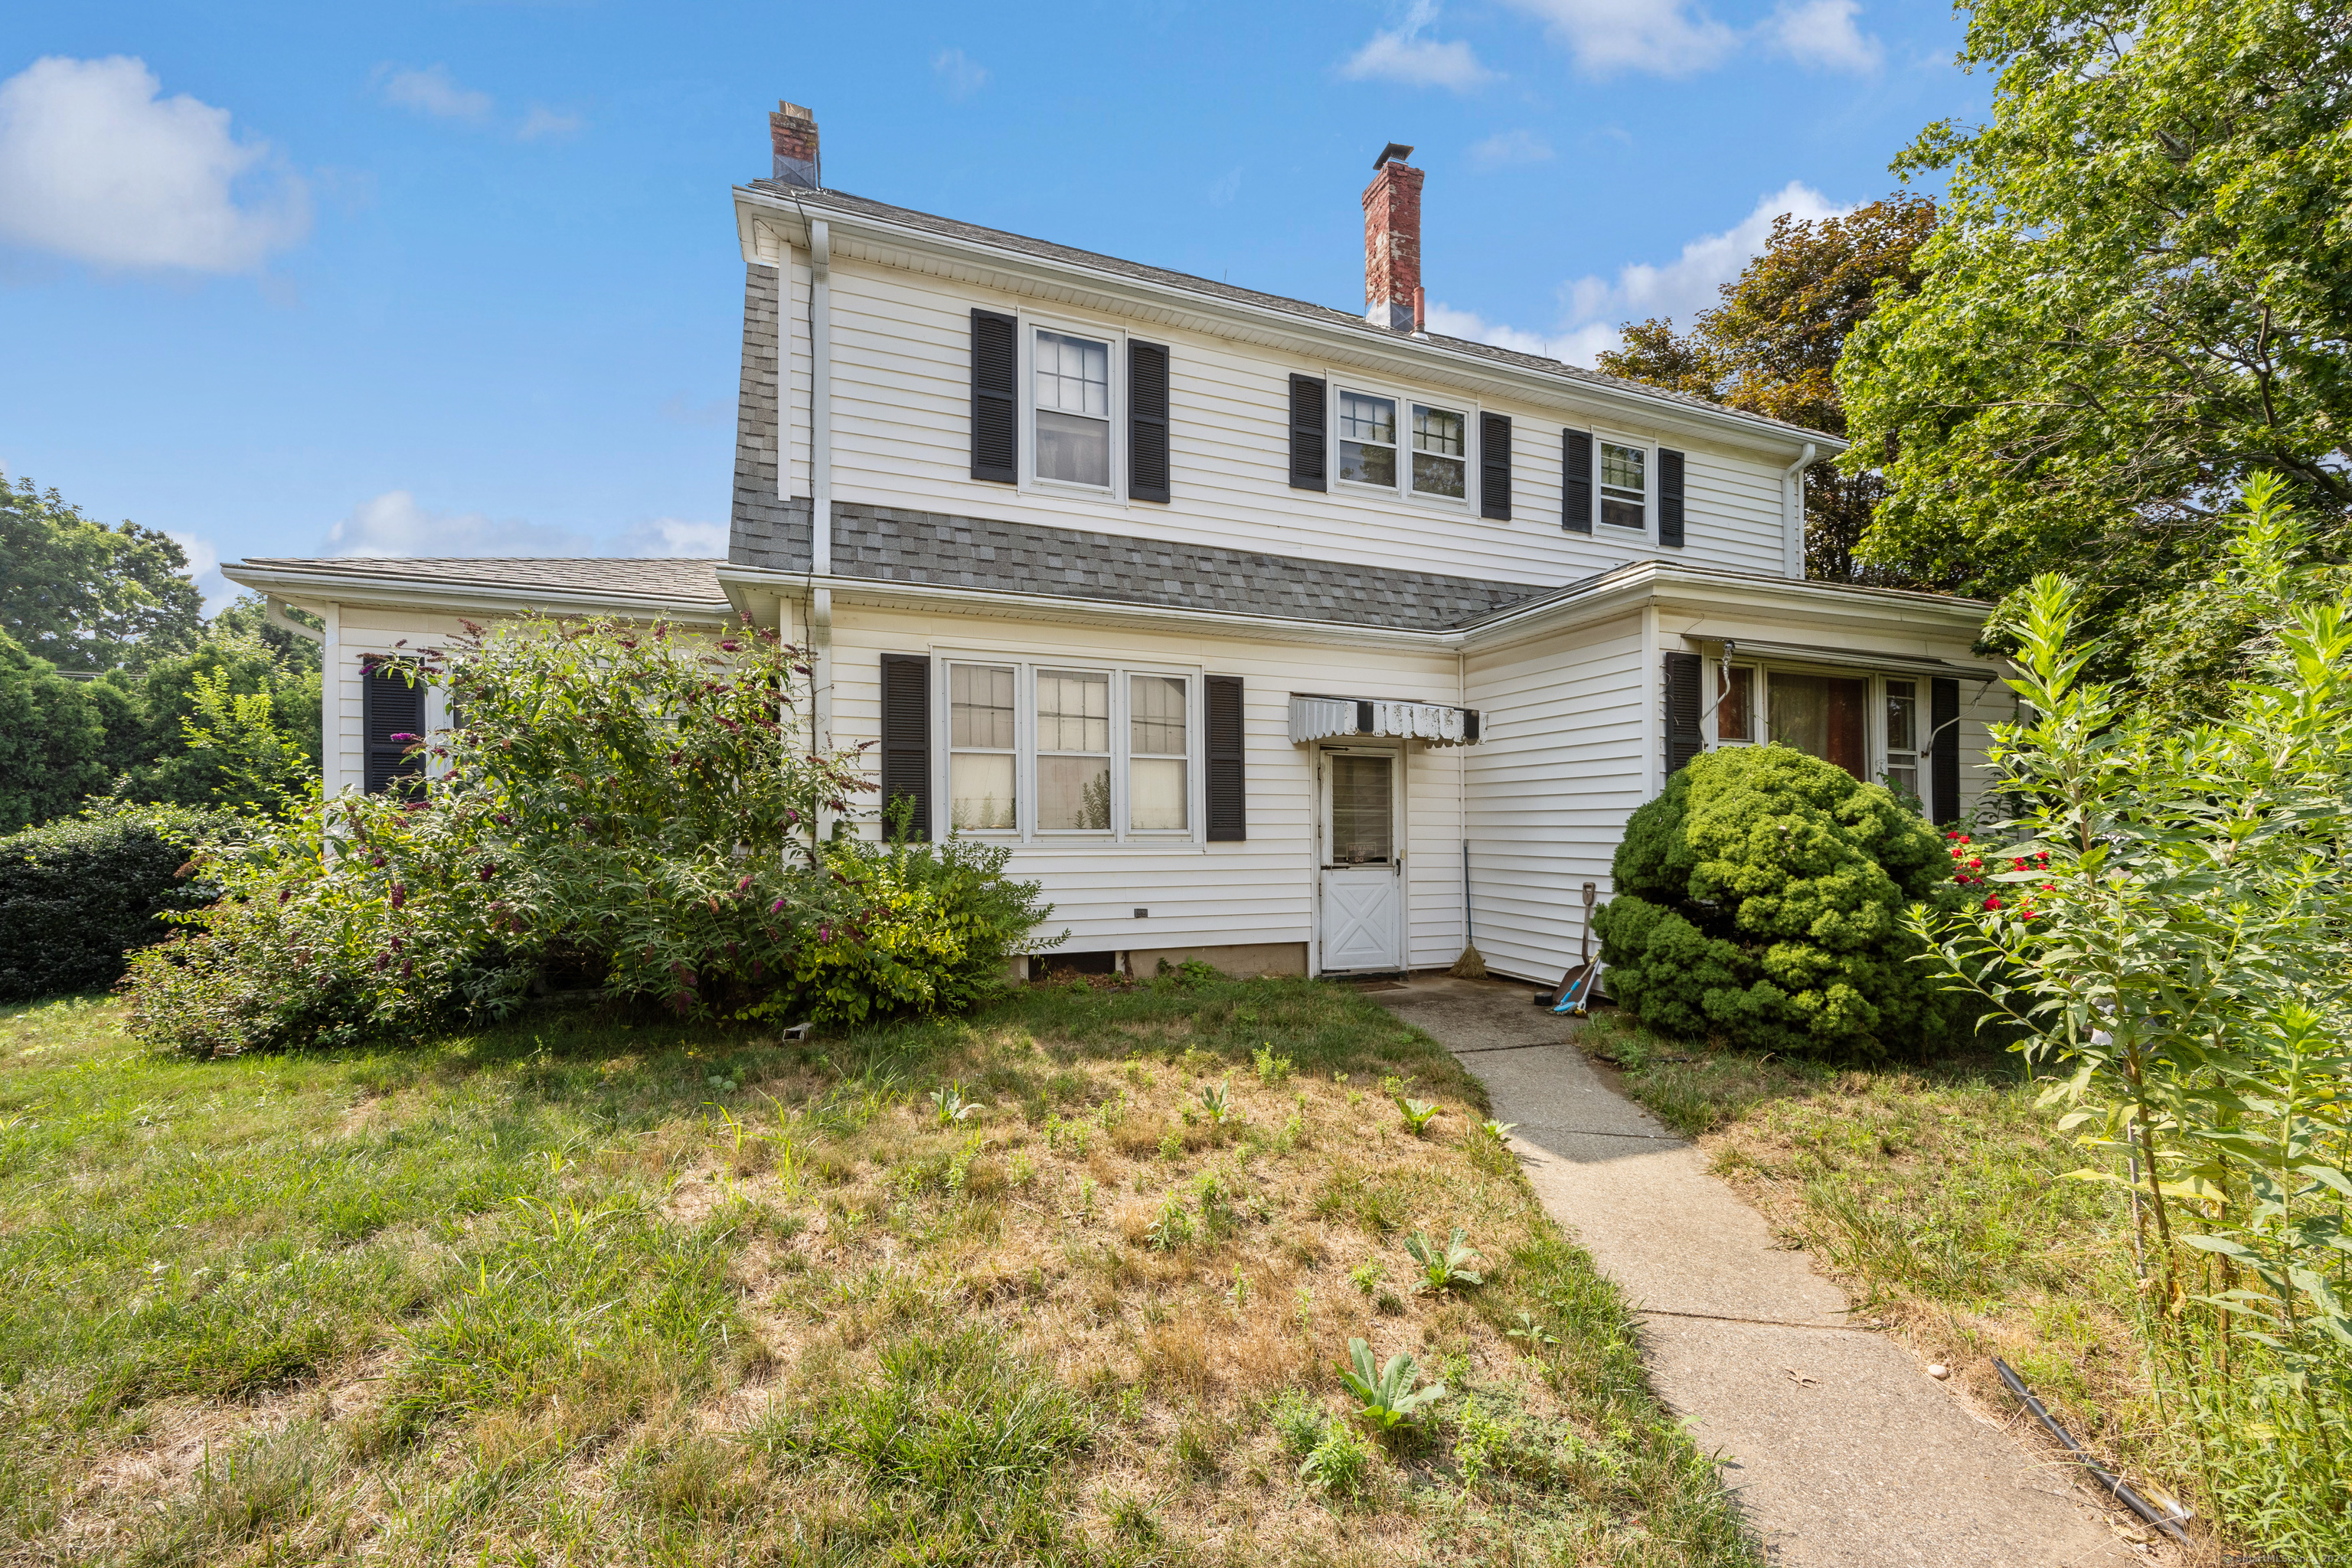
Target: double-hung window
column 1625, row 485
column 1072, row 388
column 1735, row 707
column 1389, row 442
column 983, row 748
column 1059, row 753
column 1903, row 736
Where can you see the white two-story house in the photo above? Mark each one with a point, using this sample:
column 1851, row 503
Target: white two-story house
column 1293, row 638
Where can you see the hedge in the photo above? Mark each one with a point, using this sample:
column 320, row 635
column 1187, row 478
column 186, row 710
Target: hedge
column 79, row 893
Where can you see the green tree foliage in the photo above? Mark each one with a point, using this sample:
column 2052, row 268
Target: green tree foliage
column 87, row 597
column 2141, row 293
column 1759, row 901
column 159, row 758
column 53, row 739
column 621, row 806
column 2177, row 945
column 1772, row 347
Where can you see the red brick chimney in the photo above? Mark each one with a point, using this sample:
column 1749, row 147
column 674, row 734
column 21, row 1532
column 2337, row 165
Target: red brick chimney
column 792, row 131
column 1392, row 241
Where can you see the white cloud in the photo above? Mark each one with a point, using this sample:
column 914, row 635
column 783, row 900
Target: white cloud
column 1224, row 188
column 394, row 524
column 1510, row 147
column 543, row 123
column 1594, row 307
column 1661, row 36
column 435, row 93
column 959, row 75
column 1400, row 54
column 1822, row 33
column 95, row 164
column 203, row 565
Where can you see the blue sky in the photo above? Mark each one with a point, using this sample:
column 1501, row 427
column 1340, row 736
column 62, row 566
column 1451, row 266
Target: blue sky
column 462, row 279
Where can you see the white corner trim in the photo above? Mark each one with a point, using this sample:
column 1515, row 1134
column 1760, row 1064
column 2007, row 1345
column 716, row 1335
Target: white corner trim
column 820, row 398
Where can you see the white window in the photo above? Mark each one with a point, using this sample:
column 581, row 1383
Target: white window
column 1367, row 439
column 1050, row 753
column 1387, row 441
column 1735, row 707
column 1440, row 452
column 1903, row 737
column 1625, row 485
column 1072, row 391
column 983, row 755
column 1158, row 769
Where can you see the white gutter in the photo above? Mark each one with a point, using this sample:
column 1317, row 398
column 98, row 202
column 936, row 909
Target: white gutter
column 1362, row 338
column 821, row 396
column 1793, row 511
column 463, row 598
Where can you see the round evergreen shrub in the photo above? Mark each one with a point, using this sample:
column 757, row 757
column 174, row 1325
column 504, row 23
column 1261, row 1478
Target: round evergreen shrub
column 78, row 894
column 1760, row 902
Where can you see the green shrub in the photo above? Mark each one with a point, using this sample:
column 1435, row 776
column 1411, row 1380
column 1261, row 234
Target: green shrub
column 79, row 894
column 1759, row 901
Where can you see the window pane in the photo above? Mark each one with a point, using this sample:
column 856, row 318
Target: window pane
column 1621, row 513
column 1437, row 476
column 1903, row 777
column 1902, row 715
column 1072, row 793
column 1155, row 724
column 1363, row 418
column 1437, row 430
column 1819, row 715
column 1072, row 710
column 1621, row 467
column 1363, row 819
column 1738, row 702
column 1072, row 448
column 1156, row 796
column 979, row 705
column 979, row 791
column 1073, row 376
column 1368, row 465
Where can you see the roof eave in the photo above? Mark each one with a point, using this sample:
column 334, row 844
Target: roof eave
column 388, row 589
column 1726, row 423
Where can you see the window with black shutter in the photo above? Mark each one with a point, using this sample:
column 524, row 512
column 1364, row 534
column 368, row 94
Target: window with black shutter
column 1670, row 497
column 1576, row 480
column 1228, row 803
column 1308, row 429
column 1495, row 466
column 907, row 740
column 392, row 718
column 1944, row 751
column 1147, row 421
column 995, row 397
column 1684, row 736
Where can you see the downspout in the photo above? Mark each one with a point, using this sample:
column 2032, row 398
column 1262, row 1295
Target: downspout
column 1792, row 512
column 820, row 495
column 1462, row 776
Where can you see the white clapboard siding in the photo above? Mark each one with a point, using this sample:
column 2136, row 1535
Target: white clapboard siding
column 901, row 387
column 1558, row 767
column 362, row 631
column 1259, row 891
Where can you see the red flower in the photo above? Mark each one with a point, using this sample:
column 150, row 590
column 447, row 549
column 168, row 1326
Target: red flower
column 1993, row 901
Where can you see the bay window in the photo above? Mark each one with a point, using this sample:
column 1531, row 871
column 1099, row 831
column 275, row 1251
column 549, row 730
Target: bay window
column 1056, row 753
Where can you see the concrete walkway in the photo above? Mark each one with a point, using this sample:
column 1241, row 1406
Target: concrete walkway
column 1842, row 1450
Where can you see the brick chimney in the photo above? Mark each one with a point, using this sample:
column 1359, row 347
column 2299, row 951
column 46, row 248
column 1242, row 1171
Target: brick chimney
column 1393, row 240
column 793, row 130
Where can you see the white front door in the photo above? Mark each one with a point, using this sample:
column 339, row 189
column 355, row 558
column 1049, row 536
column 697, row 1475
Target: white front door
column 1362, row 872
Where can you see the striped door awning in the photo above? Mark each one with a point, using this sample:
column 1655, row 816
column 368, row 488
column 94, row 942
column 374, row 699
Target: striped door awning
column 1316, row 717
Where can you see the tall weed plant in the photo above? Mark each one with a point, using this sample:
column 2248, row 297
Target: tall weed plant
column 2171, row 923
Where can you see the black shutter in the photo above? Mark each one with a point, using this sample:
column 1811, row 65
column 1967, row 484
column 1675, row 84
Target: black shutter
column 1147, row 421
column 1670, row 497
column 392, row 718
column 995, row 397
column 1309, row 450
column 1944, row 751
column 1495, row 466
column 1683, row 739
column 1228, row 803
column 1576, row 480
column 906, row 738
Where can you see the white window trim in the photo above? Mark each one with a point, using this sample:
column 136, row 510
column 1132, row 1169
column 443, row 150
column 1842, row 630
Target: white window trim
column 1875, row 750
column 1025, row 832
column 1029, row 325
column 1649, row 529
column 1336, row 382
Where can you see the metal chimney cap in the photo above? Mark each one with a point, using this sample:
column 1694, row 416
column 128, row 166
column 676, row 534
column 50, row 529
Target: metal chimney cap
column 1394, row 152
